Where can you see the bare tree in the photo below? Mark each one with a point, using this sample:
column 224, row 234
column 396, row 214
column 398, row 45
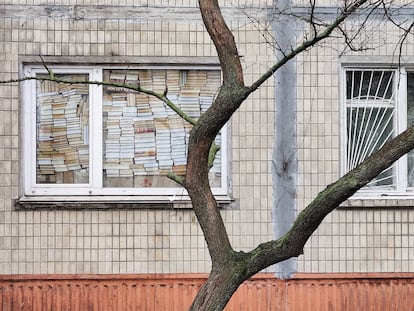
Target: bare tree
column 230, row 268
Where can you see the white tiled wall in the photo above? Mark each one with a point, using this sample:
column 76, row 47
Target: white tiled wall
column 350, row 239
column 170, row 241
column 141, row 240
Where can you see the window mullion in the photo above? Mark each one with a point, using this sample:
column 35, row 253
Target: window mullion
column 343, row 122
column 401, row 125
column 29, row 118
column 95, row 139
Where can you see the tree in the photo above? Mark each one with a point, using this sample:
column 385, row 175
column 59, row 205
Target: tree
column 230, row 267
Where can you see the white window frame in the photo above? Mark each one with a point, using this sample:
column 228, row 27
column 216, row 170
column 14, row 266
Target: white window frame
column 400, row 124
column 95, row 186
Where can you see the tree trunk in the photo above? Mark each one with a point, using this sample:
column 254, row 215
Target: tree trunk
column 217, row 291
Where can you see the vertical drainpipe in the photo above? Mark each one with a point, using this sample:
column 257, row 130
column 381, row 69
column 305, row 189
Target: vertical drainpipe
column 284, row 157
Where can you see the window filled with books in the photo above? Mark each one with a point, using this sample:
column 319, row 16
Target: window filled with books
column 85, row 139
column 378, row 105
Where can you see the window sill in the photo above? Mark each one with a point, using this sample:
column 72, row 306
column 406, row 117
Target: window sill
column 379, row 202
column 110, row 202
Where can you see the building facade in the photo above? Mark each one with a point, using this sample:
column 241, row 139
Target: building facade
column 83, row 168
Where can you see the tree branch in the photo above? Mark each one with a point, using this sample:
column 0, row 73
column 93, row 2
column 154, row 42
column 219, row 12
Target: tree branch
column 223, row 40
column 307, row 44
column 231, row 95
column 51, row 74
column 161, row 96
column 292, row 243
column 212, row 154
column 178, row 179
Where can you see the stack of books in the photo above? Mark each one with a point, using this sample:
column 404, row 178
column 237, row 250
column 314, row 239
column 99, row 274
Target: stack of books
column 143, row 105
column 144, row 137
column 62, row 130
column 178, row 142
column 112, row 132
column 163, row 145
column 173, row 82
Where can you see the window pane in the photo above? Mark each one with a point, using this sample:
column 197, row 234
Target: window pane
column 62, row 127
column 369, row 84
column 143, row 138
column 410, row 122
column 370, row 118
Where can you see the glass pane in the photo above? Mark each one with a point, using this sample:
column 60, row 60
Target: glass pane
column 410, row 122
column 369, row 84
column 370, row 118
column 144, row 139
column 62, row 130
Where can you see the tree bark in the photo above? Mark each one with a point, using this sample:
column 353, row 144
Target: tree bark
column 216, row 291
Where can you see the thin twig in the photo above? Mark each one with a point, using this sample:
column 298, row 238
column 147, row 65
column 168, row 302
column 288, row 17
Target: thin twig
column 160, row 96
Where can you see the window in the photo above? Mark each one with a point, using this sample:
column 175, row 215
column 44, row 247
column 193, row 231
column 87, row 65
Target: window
column 378, row 104
column 84, row 139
